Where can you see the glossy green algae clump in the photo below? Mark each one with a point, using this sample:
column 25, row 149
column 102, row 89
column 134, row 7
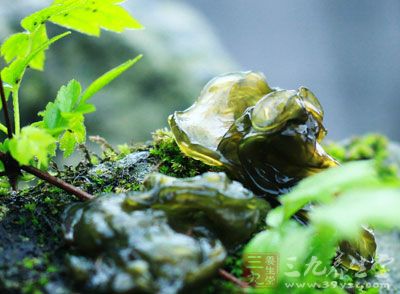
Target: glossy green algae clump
column 268, row 139
column 224, row 207
column 162, row 240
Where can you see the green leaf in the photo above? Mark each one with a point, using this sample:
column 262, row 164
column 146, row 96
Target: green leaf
column 20, row 45
column 37, row 38
column 32, row 143
column 52, row 118
column 68, row 96
column 280, row 241
column 37, row 19
column 75, row 134
column 85, row 16
column 295, row 247
column 325, row 186
column 379, row 208
column 12, row 74
column 66, row 105
column 15, row 46
column 108, row 77
column 64, row 118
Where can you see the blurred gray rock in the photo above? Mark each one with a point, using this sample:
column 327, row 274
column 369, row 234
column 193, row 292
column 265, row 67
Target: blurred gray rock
column 180, row 51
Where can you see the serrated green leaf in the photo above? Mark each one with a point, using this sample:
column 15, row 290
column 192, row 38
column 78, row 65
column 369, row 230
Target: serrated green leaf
column 85, row 108
column 379, row 208
column 75, row 134
column 65, row 102
column 108, row 77
column 67, row 143
column 93, row 15
column 33, row 21
column 64, row 118
column 32, row 143
column 15, row 46
column 68, row 96
column 20, row 45
column 36, row 39
column 325, row 186
column 85, row 16
column 13, row 73
column 52, row 118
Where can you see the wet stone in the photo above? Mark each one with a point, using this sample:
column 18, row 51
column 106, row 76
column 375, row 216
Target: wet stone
column 131, row 169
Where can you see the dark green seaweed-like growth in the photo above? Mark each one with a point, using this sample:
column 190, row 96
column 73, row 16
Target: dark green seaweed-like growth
column 210, row 203
column 199, row 129
column 161, row 240
column 120, row 250
column 267, row 139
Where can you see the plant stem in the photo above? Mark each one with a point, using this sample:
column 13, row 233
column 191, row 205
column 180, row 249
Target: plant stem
column 5, row 110
column 17, row 123
column 3, row 129
column 58, row 182
column 227, row 276
column 15, row 170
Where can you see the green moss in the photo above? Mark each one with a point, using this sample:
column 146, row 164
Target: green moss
column 43, row 205
column 31, row 262
column 370, row 146
column 3, row 211
column 357, row 148
column 30, row 206
column 172, row 161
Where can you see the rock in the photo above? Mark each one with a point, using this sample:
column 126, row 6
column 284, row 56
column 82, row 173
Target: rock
column 131, row 169
column 388, row 256
column 32, row 247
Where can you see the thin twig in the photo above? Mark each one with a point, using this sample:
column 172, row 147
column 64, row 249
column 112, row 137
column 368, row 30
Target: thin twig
column 5, row 110
column 58, row 182
column 50, row 179
column 86, row 154
column 104, row 145
column 227, row 276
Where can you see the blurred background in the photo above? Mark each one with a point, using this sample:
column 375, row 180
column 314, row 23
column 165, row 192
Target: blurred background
column 346, row 52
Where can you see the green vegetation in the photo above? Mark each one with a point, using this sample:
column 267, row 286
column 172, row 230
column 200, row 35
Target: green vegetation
column 358, row 148
column 62, row 123
column 172, row 161
column 322, row 215
column 345, row 198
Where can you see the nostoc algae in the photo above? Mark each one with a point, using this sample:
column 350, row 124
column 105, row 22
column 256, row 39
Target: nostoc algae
column 175, row 234
column 168, row 238
column 266, row 138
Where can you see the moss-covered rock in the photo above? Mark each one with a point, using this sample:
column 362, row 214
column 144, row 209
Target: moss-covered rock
column 32, row 246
